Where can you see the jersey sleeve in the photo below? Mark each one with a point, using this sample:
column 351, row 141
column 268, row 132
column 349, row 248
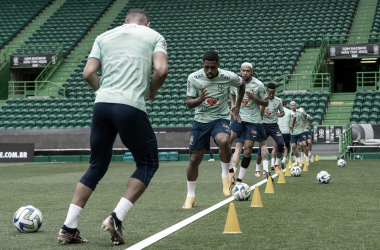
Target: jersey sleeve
column 160, row 46
column 309, row 117
column 95, row 51
column 191, row 88
column 236, row 81
column 280, row 107
column 262, row 93
column 233, row 90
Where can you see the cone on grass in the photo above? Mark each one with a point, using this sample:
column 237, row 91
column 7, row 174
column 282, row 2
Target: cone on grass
column 281, row 178
column 305, row 167
column 304, row 160
column 287, row 171
column 290, row 162
column 269, row 188
column 316, row 158
column 312, row 158
column 256, row 199
column 232, row 223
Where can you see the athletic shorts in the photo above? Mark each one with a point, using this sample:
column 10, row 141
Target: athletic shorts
column 201, row 132
column 240, row 138
column 272, row 130
column 286, row 138
column 300, row 137
column 308, row 135
column 249, row 131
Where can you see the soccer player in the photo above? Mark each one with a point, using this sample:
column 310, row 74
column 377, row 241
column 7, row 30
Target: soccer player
column 283, row 124
column 125, row 55
column 207, row 92
column 308, row 122
column 251, row 127
column 297, row 126
column 271, row 114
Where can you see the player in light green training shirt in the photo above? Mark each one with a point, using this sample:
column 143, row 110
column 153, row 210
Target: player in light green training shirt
column 308, row 122
column 251, row 127
column 271, row 114
column 284, row 123
column 296, row 128
column 207, row 92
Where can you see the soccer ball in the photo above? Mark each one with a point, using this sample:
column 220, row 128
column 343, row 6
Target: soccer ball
column 27, row 219
column 341, row 163
column 241, row 192
column 323, row 177
column 295, row 171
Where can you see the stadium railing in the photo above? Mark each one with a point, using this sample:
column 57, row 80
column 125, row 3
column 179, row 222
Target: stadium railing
column 22, row 89
column 345, row 140
column 52, row 66
column 314, row 81
column 367, row 80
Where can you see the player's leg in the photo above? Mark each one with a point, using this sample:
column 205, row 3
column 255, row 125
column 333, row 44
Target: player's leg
column 258, row 162
column 309, row 143
column 301, row 153
column 102, row 137
column 248, row 144
column 211, row 155
column 294, row 139
column 199, row 141
column 222, row 140
column 286, row 149
column 235, row 160
column 273, row 155
column 302, row 142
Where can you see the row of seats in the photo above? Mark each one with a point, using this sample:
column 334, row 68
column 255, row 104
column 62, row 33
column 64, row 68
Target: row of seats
column 366, row 109
column 15, row 15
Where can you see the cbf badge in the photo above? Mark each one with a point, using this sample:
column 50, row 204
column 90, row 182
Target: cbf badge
column 221, row 88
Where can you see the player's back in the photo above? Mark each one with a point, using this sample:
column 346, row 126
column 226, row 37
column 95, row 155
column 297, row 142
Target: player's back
column 126, row 59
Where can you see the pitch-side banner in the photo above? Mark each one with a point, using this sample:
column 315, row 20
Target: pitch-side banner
column 335, row 132
column 322, row 134
column 366, row 134
column 16, row 152
column 32, row 60
column 352, row 50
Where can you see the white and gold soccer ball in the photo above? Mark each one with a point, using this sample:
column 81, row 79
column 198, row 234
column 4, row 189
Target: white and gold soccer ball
column 28, row 219
column 241, row 192
column 295, row 171
column 341, row 163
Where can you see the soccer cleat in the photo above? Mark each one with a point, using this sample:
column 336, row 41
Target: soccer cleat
column 114, row 227
column 226, row 186
column 65, row 237
column 277, row 169
column 189, row 202
column 299, row 164
column 212, row 159
column 282, row 165
column 232, row 176
column 267, row 175
column 272, row 168
column 295, row 163
column 257, row 174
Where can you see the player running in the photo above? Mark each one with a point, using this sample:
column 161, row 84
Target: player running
column 207, row 92
column 297, row 126
column 308, row 122
column 251, row 127
column 271, row 114
column 126, row 61
column 283, row 123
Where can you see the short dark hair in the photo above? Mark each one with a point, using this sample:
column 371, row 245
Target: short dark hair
column 137, row 13
column 284, row 103
column 271, row 85
column 211, row 55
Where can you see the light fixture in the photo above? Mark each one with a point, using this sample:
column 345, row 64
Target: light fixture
column 369, row 59
column 368, row 62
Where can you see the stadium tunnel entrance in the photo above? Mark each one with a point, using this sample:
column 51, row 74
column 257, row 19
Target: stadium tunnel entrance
column 344, row 73
column 25, row 74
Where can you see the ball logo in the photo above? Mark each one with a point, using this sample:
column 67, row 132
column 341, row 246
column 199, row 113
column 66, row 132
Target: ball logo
column 245, row 102
column 211, row 102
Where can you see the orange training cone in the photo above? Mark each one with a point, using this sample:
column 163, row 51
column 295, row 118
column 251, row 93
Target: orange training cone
column 305, row 167
column 269, row 188
column 281, row 178
column 316, row 158
column 232, row 223
column 312, row 158
column 256, row 199
column 287, row 171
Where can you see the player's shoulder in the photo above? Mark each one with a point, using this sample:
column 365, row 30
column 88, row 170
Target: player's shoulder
column 257, row 82
column 226, row 74
column 277, row 99
column 108, row 32
column 197, row 75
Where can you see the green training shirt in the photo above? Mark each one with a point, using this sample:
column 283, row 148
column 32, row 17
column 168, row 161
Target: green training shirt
column 284, row 122
column 297, row 129
column 274, row 106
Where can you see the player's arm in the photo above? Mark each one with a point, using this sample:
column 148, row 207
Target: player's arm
column 293, row 122
column 311, row 121
column 281, row 109
column 262, row 102
column 193, row 102
column 90, row 73
column 232, row 99
column 262, row 108
column 160, row 63
column 280, row 114
column 304, row 121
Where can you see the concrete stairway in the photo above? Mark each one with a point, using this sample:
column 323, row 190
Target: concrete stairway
column 361, row 27
column 339, row 110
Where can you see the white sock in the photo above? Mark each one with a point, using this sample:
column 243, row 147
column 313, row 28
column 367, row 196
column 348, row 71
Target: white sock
column 301, row 155
column 265, row 165
column 309, row 153
column 307, row 158
column 278, row 161
column 242, row 172
column 225, row 168
column 231, row 166
column 234, row 169
column 258, row 167
column 298, row 159
column 73, row 216
column 272, row 161
column 283, row 159
column 191, row 188
column 122, row 208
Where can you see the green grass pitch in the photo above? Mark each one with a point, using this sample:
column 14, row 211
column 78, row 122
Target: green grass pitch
column 301, row 214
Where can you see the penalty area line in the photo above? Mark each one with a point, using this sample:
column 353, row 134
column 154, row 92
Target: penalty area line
column 160, row 235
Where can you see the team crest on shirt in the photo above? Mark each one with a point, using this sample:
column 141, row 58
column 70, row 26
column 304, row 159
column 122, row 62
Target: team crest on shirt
column 212, row 102
column 221, row 88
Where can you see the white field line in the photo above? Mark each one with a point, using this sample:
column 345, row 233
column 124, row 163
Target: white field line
column 158, row 236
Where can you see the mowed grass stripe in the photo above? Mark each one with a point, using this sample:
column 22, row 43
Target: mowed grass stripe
column 301, row 214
